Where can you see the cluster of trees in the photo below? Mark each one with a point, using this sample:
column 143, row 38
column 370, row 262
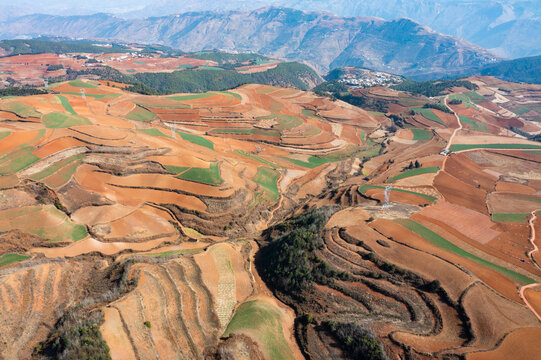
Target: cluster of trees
column 439, row 107
column 200, row 80
column 432, row 88
column 289, row 262
column 75, row 339
column 358, row 342
column 455, row 102
column 337, row 90
column 526, row 70
column 55, row 67
column 412, row 165
column 21, row 91
column 527, row 135
column 227, row 58
column 16, row 47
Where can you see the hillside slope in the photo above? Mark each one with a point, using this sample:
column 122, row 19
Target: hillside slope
column 400, row 46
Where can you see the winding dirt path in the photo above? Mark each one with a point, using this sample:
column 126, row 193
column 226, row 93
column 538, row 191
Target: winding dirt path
column 530, row 255
column 450, row 142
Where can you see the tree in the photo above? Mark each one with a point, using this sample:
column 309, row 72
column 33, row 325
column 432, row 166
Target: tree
column 417, row 165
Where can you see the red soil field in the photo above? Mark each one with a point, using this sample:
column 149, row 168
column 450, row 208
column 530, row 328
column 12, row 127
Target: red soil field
column 460, row 193
column 494, row 279
column 514, row 188
column 472, row 224
column 520, row 344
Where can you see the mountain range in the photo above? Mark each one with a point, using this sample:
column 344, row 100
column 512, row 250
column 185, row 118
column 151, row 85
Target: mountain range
column 502, row 26
column 323, row 40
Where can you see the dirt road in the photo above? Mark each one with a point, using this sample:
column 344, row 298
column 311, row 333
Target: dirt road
column 530, row 255
column 450, row 142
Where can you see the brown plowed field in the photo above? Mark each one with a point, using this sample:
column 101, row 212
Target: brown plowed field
column 534, row 298
column 493, row 317
column 460, row 193
column 494, row 279
column 472, row 224
column 520, row 344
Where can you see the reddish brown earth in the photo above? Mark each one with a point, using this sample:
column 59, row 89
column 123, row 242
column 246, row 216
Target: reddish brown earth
column 165, row 225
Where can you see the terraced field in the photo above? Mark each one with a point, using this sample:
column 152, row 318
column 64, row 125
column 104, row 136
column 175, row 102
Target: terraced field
column 250, row 224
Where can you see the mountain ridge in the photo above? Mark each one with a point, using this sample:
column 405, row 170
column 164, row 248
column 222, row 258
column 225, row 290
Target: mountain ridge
column 319, row 38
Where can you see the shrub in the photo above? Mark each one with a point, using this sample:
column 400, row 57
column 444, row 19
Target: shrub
column 289, row 262
column 439, row 107
column 358, row 342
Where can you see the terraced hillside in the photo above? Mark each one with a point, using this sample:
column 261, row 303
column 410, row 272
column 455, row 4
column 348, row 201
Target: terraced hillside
column 249, row 224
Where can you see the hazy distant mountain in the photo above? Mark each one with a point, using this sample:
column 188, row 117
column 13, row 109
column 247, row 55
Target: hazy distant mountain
column 503, row 26
column 321, row 39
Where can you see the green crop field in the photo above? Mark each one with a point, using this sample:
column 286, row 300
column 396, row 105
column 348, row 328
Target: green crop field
column 369, row 152
column 459, row 147
column 47, row 222
column 421, row 134
column 63, row 175
column 66, row 104
column 414, row 172
column 267, row 178
column 196, row 139
column 363, row 136
column 287, row 122
column 315, row 161
column 216, row 68
column 527, row 198
column 477, row 126
column 58, row 120
column 377, row 113
column 140, row 114
column 139, row 62
column 312, row 131
column 209, row 176
column 429, row 114
column 81, row 84
column 466, row 101
column 191, row 97
column 96, row 96
column 152, row 132
column 172, row 253
column 257, row 158
column 55, row 167
column 443, row 243
column 518, row 218
column 20, row 109
column 263, row 321
column 245, row 131
column 309, row 114
column 193, row 232
column 229, row 93
column 408, row 101
column 363, row 189
column 16, row 160
column 475, row 97
column 11, row 258
column 4, row 134
column 522, row 110
column 175, row 170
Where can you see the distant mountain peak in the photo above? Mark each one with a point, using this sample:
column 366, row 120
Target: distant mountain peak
column 324, row 40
